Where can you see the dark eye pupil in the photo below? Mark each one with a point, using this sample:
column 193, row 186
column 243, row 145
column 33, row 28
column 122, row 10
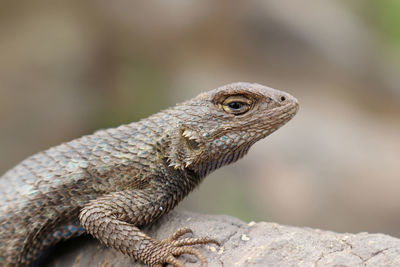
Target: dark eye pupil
column 235, row 105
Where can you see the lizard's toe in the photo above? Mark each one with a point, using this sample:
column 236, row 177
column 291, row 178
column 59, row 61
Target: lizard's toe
column 194, row 241
column 192, row 251
column 180, row 232
column 175, row 262
column 173, row 246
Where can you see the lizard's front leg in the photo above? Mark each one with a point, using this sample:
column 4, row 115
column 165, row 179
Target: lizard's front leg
column 113, row 218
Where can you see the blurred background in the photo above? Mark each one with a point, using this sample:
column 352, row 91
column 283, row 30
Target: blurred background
column 69, row 68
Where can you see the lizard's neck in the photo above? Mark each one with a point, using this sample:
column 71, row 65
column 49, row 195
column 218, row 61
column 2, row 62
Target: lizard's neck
column 205, row 168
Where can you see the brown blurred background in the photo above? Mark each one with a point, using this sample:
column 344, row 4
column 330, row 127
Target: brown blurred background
column 69, row 68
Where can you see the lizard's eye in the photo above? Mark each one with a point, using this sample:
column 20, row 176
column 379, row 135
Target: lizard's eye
column 236, row 104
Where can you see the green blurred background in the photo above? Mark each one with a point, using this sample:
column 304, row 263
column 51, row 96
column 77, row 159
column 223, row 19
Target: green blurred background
column 69, row 68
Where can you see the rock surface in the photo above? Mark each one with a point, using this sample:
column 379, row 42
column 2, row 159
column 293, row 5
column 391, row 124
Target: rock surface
column 253, row 244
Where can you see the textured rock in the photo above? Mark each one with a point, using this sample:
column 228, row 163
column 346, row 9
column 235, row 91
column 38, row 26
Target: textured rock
column 253, row 244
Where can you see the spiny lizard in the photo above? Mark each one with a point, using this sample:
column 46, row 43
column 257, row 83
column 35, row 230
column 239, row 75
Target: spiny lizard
column 111, row 183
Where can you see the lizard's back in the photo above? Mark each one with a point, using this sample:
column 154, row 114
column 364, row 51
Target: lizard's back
column 41, row 197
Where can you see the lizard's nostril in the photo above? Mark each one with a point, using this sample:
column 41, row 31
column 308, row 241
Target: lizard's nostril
column 282, row 98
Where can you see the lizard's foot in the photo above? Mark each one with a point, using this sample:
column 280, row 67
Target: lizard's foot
column 175, row 247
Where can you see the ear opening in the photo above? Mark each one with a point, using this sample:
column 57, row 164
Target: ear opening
column 192, row 139
column 183, row 148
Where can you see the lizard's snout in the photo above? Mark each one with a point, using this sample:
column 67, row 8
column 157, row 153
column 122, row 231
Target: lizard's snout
column 286, row 99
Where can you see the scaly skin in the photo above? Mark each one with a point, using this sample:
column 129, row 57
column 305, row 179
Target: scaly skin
column 114, row 181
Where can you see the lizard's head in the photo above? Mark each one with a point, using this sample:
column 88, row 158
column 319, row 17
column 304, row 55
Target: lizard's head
column 219, row 126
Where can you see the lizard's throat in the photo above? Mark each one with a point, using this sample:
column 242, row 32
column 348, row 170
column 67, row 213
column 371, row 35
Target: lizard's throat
column 221, row 160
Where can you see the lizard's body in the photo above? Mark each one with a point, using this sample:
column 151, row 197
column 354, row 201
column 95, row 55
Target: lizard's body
column 111, row 182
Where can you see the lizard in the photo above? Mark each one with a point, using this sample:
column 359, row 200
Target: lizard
column 115, row 181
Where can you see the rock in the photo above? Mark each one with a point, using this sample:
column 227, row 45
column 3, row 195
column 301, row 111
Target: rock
column 253, row 244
